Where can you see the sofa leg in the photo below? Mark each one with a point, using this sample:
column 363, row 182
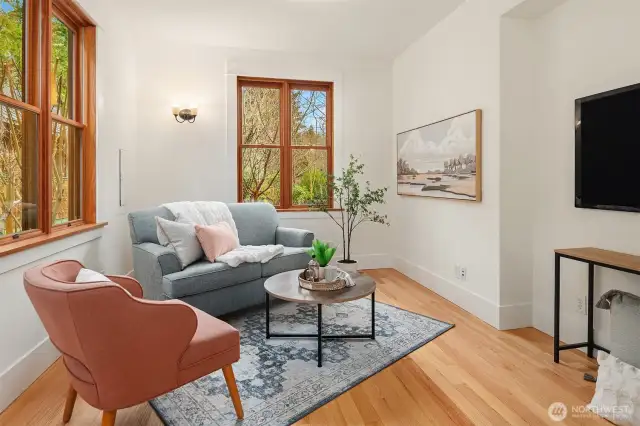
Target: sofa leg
column 227, row 370
column 109, row 418
column 68, row 406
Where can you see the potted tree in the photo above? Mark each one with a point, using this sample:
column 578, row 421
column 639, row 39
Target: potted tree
column 355, row 204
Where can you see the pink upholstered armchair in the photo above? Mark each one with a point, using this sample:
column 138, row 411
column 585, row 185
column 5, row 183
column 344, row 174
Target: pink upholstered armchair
column 121, row 350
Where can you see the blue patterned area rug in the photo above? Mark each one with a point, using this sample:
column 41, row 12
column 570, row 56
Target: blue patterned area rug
column 279, row 380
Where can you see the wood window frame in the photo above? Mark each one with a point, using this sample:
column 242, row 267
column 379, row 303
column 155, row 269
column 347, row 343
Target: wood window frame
column 286, row 86
column 37, row 86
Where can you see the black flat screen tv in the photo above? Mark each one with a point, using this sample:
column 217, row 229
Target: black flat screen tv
column 608, row 150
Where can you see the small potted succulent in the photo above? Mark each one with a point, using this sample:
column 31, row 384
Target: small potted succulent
column 322, row 252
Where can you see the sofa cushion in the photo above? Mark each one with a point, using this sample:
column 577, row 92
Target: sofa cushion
column 292, row 258
column 205, row 276
column 143, row 226
column 256, row 223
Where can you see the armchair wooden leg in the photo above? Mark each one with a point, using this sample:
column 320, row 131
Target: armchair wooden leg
column 109, row 418
column 68, row 406
column 227, row 370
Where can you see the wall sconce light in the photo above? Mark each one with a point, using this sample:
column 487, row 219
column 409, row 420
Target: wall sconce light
column 185, row 114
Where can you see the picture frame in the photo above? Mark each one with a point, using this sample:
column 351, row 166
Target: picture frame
column 442, row 159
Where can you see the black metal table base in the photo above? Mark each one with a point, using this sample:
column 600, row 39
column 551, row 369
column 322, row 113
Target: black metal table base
column 319, row 334
column 589, row 344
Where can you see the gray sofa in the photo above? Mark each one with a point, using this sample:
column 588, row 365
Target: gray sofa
column 216, row 288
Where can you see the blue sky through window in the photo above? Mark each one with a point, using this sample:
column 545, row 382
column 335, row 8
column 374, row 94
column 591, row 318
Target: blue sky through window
column 6, row 7
column 314, row 104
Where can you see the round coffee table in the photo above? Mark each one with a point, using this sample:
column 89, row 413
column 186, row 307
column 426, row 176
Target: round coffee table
column 285, row 286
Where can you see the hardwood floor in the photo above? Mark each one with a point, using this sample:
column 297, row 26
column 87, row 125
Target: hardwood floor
column 472, row 374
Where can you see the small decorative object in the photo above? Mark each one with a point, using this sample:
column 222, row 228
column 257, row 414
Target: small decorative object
column 322, row 253
column 356, row 207
column 185, row 114
column 331, row 273
column 312, row 273
column 337, row 284
column 443, row 159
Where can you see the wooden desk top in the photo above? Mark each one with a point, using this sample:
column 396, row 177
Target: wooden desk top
column 607, row 257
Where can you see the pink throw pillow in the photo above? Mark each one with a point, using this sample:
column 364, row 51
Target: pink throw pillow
column 216, row 240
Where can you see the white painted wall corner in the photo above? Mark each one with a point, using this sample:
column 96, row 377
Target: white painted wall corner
column 19, row 376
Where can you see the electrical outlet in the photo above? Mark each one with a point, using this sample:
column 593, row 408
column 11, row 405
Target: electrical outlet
column 582, row 305
column 461, row 273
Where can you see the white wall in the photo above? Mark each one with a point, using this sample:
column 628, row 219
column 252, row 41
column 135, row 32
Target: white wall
column 524, row 66
column 453, row 69
column 199, row 161
column 25, row 351
column 587, row 47
column 518, row 109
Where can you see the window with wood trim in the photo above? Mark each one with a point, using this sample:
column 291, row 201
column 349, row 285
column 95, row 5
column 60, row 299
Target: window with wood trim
column 285, row 142
column 47, row 120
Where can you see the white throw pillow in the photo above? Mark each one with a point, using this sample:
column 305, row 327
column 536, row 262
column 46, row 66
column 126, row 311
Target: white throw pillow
column 90, row 276
column 182, row 237
column 617, row 396
column 162, row 238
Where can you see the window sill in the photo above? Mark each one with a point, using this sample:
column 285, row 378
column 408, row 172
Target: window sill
column 305, row 210
column 18, row 246
column 307, row 214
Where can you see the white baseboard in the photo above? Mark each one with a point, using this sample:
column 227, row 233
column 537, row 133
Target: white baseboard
column 466, row 299
column 515, row 316
column 18, row 377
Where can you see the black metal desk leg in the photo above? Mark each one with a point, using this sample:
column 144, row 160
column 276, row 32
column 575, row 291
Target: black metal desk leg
column 373, row 316
column 267, row 309
column 590, row 312
column 556, row 313
column 319, row 335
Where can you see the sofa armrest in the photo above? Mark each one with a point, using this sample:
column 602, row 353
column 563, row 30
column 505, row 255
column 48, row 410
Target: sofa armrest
column 291, row 237
column 151, row 262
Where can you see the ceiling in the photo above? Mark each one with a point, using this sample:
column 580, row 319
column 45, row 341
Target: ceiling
column 365, row 28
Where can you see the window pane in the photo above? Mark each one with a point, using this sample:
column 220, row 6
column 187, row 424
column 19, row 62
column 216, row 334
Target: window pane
column 260, row 116
column 12, row 48
column 309, row 176
column 66, row 173
column 18, row 170
column 261, row 175
column 308, row 117
column 61, row 69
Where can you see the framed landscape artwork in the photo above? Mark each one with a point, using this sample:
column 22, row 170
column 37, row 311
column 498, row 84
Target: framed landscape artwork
column 443, row 159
